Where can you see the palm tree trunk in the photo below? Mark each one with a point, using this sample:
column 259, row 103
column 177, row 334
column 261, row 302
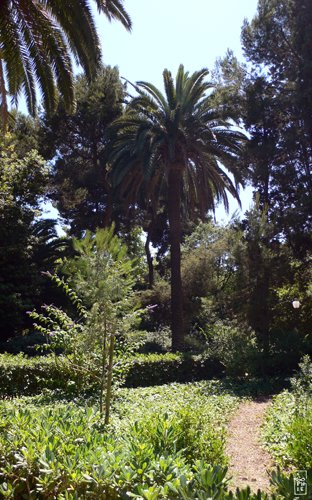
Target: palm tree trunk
column 4, row 104
column 174, row 213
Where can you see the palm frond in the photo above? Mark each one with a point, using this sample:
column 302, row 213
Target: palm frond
column 169, row 89
column 114, row 9
column 37, row 38
column 154, row 93
column 78, row 25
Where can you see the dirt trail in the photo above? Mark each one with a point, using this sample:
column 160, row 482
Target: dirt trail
column 249, row 462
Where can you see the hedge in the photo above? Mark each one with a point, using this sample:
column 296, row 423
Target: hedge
column 20, row 375
column 157, row 369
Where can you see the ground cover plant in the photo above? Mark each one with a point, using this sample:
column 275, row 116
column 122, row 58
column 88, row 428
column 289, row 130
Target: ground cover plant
column 162, row 441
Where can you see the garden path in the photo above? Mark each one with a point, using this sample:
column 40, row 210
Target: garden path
column 248, row 460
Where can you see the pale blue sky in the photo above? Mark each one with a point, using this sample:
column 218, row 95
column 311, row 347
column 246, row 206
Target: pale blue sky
column 167, row 33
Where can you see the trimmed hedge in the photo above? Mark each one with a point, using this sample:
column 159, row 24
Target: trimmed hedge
column 20, row 375
column 158, row 369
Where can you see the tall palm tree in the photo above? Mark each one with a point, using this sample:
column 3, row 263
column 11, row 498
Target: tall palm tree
column 173, row 146
column 36, row 40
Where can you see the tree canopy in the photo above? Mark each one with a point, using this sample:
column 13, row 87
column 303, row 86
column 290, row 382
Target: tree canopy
column 77, row 146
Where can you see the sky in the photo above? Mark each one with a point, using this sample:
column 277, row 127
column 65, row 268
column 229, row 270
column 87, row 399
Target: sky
column 166, row 33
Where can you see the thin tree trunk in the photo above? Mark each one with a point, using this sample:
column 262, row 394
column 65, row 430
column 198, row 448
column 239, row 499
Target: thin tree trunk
column 174, row 213
column 109, row 378
column 103, row 367
column 149, row 259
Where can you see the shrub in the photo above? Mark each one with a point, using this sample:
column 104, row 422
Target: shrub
column 299, row 446
column 286, row 349
column 301, row 384
column 64, row 452
column 284, row 485
column 159, row 296
column 234, row 346
column 100, row 281
column 288, row 431
column 275, row 430
column 188, row 430
column 158, row 341
column 27, row 344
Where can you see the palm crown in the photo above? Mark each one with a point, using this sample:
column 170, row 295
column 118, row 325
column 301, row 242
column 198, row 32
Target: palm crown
column 178, row 130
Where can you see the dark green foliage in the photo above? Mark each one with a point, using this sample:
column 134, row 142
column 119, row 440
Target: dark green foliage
column 161, row 444
column 99, row 285
column 27, row 249
column 301, row 384
column 300, row 444
column 234, row 346
column 238, row 285
column 215, row 276
column 23, row 344
column 289, row 423
column 27, row 246
column 272, row 97
column 278, row 115
column 283, row 484
column 21, row 375
column 78, row 144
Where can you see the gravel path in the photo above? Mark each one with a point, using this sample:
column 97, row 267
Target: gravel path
column 249, row 462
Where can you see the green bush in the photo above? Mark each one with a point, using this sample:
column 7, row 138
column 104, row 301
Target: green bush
column 26, row 344
column 158, row 341
column 234, row 346
column 63, row 451
column 284, row 487
column 301, row 384
column 288, row 430
column 299, row 446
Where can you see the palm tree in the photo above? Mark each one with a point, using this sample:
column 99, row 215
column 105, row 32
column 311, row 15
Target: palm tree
column 36, row 40
column 172, row 147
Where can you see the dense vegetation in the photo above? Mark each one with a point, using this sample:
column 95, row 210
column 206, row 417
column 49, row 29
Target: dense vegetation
column 105, row 332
